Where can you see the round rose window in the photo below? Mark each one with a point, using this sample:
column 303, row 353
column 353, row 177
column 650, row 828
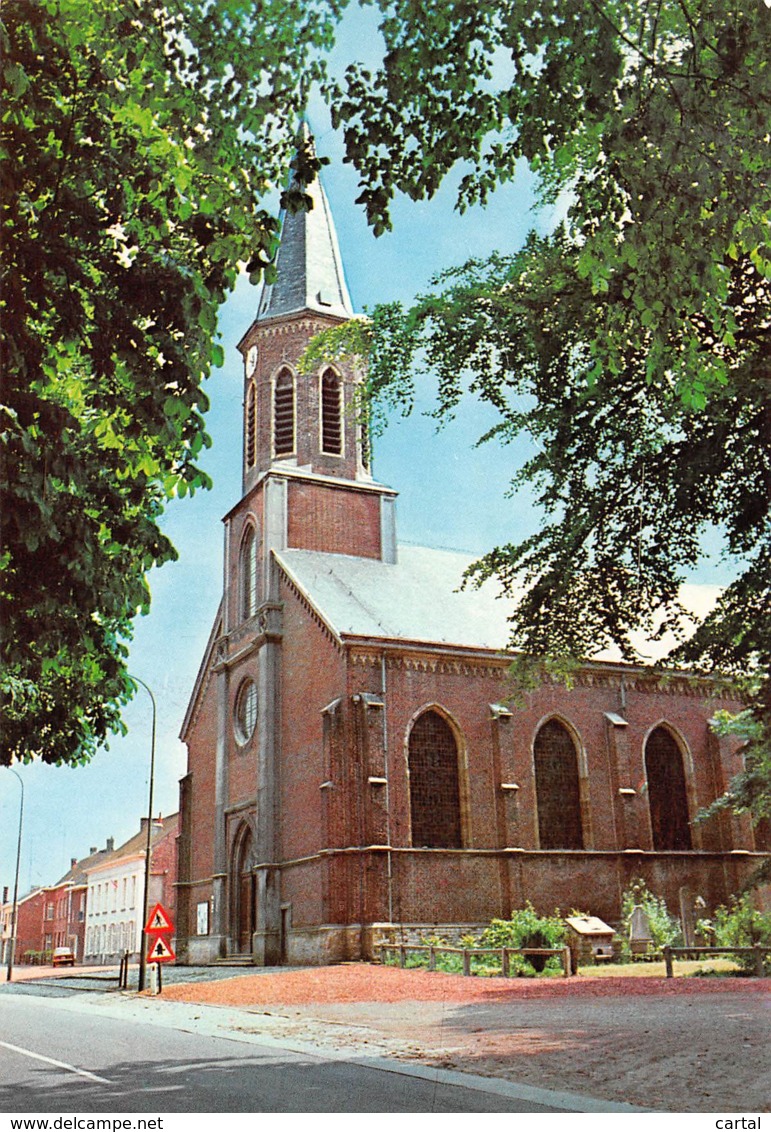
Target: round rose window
column 246, row 711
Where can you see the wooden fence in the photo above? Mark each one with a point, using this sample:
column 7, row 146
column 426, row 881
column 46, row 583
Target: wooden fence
column 470, row 953
column 757, row 952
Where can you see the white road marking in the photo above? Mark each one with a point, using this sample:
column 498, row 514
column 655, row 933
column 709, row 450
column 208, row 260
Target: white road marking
column 58, row 1064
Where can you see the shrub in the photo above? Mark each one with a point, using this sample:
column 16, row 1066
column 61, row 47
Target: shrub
column 743, row 925
column 526, row 928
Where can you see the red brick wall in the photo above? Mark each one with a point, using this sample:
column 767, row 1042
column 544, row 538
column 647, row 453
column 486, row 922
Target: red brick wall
column 313, row 675
column 202, row 745
column 336, row 520
column 31, row 926
column 163, row 870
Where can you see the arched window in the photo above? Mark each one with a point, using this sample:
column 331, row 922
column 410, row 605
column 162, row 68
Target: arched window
column 557, row 788
column 331, row 414
column 434, row 783
column 250, row 426
column 283, row 414
column 247, row 573
column 667, row 795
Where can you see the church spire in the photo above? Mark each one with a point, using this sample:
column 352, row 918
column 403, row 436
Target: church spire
column 308, row 264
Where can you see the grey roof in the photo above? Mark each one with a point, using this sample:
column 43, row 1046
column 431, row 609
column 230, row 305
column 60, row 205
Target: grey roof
column 418, row 599
column 415, row 599
column 308, row 264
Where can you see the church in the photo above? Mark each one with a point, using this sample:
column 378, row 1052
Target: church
column 361, row 766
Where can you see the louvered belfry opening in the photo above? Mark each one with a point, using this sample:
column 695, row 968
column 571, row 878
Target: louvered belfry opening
column 251, row 426
column 434, row 784
column 248, row 574
column 667, row 795
column 283, row 414
column 331, row 414
column 557, row 788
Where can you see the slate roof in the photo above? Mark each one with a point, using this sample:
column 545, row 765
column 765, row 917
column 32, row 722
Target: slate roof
column 77, row 873
column 417, row 599
column 308, row 264
column 137, row 842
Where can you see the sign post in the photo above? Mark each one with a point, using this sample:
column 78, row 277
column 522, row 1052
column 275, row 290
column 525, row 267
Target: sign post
column 159, row 950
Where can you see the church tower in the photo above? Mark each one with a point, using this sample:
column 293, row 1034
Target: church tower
column 306, row 485
column 306, row 464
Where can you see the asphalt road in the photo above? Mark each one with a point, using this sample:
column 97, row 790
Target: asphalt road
column 55, row 1058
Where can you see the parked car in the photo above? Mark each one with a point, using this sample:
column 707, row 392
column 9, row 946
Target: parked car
column 63, row 957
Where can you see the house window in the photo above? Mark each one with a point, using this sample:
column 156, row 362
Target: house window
column 283, row 414
column 667, row 795
column 557, row 788
column 247, row 571
column 49, row 911
column 434, row 783
column 250, row 426
column 246, row 711
column 331, row 414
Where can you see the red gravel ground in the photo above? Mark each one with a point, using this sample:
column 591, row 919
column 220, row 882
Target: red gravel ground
column 673, row 1045
column 360, row 982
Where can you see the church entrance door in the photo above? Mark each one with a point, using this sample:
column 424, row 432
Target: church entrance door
column 244, row 903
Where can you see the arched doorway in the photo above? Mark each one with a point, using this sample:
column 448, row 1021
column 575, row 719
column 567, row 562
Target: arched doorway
column 557, row 788
column 243, row 891
column 667, row 794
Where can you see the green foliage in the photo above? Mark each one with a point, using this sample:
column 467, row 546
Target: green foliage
column 741, row 924
column 665, row 929
column 137, row 142
column 526, row 928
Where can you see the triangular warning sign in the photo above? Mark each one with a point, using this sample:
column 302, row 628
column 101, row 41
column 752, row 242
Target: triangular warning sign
column 160, row 951
column 159, row 920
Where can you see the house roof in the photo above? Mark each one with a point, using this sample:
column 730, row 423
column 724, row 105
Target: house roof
column 77, row 873
column 418, row 599
column 309, row 268
column 135, row 846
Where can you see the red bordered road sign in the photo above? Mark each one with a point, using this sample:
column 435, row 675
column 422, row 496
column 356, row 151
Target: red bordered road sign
column 159, row 921
column 160, row 951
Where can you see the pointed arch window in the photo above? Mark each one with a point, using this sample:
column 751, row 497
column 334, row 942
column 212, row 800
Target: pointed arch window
column 284, row 414
column 250, row 426
column 331, row 414
column 557, row 788
column 667, row 793
column 434, row 784
column 247, row 573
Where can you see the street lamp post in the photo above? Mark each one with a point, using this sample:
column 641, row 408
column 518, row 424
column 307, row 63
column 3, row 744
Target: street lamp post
column 146, row 901
column 12, row 940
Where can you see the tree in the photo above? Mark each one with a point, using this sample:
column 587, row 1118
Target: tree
column 632, row 343
column 138, row 142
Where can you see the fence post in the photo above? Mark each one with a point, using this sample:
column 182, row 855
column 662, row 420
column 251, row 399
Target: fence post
column 431, row 958
column 505, row 962
column 668, row 961
column 566, row 961
column 402, row 956
column 758, row 960
column 466, row 962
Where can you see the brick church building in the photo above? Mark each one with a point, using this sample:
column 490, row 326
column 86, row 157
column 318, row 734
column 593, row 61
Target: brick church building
column 360, row 764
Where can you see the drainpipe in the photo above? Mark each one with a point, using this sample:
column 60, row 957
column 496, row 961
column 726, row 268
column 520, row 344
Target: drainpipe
column 389, row 865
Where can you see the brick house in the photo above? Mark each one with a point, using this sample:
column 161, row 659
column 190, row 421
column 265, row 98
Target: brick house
column 30, row 926
column 359, row 762
column 116, row 884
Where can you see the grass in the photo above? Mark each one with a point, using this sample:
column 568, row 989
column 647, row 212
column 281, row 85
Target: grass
column 718, row 965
